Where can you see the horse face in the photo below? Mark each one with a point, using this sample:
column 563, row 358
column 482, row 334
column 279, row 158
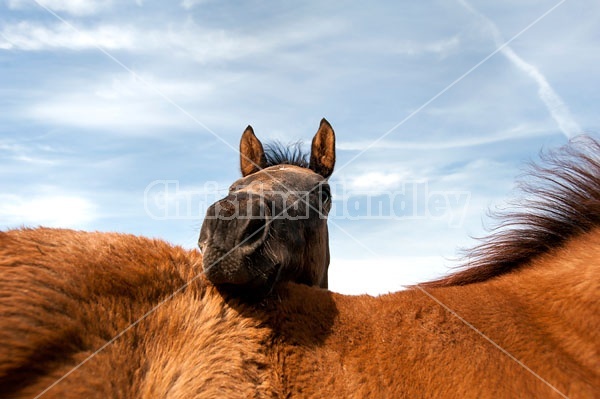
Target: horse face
column 272, row 226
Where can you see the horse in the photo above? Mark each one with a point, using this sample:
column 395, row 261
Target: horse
column 114, row 315
column 272, row 225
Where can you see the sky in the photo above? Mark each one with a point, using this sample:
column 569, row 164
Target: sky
column 126, row 115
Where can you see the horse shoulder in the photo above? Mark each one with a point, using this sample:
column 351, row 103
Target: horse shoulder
column 64, row 294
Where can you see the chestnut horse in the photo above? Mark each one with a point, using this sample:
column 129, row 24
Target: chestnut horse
column 101, row 315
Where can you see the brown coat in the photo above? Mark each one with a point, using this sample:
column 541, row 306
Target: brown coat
column 65, row 295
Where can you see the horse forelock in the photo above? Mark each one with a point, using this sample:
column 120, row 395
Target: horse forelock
column 561, row 201
column 281, row 154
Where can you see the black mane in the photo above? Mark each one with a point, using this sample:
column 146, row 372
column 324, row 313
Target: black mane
column 561, row 201
column 281, row 154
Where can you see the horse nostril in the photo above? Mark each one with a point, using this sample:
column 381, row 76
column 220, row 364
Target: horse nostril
column 254, row 231
column 254, row 226
column 202, row 245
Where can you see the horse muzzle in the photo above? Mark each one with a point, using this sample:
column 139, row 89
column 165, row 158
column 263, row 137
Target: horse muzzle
column 234, row 229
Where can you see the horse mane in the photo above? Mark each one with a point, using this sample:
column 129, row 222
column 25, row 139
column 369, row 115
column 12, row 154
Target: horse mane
column 561, row 201
column 282, row 154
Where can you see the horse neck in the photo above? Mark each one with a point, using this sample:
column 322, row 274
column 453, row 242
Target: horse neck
column 545, row 314
column 560, row 291
column 548, row 309
column 564, row 283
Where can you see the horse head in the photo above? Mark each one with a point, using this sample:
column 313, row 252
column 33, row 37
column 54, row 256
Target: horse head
column 272, row 225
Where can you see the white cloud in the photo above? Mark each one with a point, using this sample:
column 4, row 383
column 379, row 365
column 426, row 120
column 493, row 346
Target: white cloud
column 216, row 45
column 30, row 36
column 85, row 112
column 189, row 4
column 555, row 105
column 441, row 47
column 74, row 7
column 187, row 39
column 136, row 101
column 520, row 131
column 126, row 102
column 30, row 155
column 137, row 87
column 48, row 210
column 202, row 45
column 374, row 182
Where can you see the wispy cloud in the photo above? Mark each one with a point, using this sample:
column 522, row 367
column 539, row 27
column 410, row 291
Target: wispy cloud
column 374, row 182
column 555, row 105
column 20, row 153
column 74, row 7
column 520, row 131
column 32, row 36
column 202, row 44
column 189, row 4
column 189, row 40
column 442, row 47
column 120, row 101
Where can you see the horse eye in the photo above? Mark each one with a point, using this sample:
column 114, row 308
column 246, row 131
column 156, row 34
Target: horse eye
column 325, row 195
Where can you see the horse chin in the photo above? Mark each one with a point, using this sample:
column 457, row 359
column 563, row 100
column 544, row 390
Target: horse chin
column 251, row 291
column 238, row 275
column 221, row 267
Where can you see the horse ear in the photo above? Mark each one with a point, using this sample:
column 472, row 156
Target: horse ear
column 252, row 154
column 322, row 152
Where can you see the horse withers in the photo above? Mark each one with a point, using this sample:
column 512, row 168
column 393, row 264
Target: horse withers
column 272, row 226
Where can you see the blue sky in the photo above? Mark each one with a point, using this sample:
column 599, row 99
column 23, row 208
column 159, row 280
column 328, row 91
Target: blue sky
column 100, row 99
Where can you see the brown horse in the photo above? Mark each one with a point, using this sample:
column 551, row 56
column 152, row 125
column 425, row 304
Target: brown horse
column 272, row 226
column 110, row 315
